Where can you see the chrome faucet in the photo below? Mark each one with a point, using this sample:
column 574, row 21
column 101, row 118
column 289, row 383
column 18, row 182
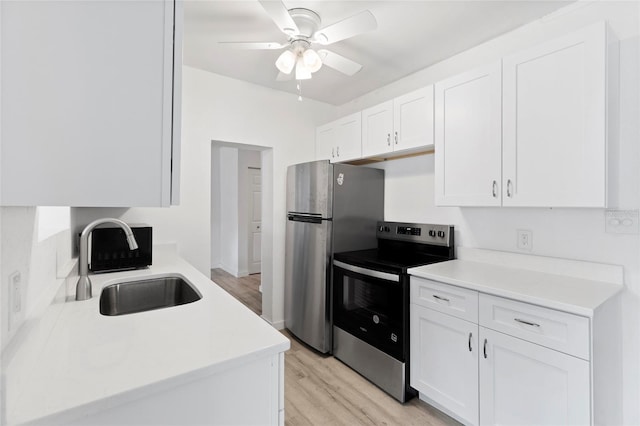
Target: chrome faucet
column 83, row 288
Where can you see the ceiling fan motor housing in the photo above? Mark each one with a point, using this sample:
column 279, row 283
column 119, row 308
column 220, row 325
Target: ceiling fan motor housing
column 307, row 21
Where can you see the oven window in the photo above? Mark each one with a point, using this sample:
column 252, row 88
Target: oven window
column 371, row 309
column 365, row 299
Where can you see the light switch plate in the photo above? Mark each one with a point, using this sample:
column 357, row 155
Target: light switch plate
column 525, row 239
column 621, row 221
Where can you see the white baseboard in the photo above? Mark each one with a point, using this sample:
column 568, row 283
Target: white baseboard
column 278, row 325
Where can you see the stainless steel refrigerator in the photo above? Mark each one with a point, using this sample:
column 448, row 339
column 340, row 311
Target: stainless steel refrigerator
column 330, row 208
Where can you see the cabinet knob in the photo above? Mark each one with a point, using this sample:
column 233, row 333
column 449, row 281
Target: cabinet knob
column 388, row 139
column 396, row 137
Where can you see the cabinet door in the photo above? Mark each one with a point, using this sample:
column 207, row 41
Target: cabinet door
column 377, row 129
column 413, row 119
column 524, row 383
column 444, row 361
column 555, row 122
column 349, row 138
column 325, row 142
column 468, row 138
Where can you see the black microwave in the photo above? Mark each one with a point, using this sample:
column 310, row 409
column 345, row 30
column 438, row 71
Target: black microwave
column 109, row 250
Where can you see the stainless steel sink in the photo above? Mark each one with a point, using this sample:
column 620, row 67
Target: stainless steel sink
column 146, row 295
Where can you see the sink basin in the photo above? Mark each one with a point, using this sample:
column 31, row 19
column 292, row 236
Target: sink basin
column 146, row 295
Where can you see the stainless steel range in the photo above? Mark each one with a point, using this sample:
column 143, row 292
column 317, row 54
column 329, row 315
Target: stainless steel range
column 371, row 301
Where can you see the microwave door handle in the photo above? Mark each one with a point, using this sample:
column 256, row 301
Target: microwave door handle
column 368, row 272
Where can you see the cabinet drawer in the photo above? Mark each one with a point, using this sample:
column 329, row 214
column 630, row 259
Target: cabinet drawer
column 452, row 300
column 557, row 330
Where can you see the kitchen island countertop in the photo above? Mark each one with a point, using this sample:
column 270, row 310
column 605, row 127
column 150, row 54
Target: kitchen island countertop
column 87, row 362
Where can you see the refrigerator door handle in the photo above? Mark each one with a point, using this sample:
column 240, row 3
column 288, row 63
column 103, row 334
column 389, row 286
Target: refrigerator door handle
column 309, row 218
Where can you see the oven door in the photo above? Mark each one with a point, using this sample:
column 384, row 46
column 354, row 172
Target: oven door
column 370, row 305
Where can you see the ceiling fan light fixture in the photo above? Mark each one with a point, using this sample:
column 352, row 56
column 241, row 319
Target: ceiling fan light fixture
column 302, row 72
column 286, row 61
column 312, row 60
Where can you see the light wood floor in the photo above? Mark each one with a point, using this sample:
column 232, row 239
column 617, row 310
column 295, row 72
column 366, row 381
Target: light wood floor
column 320, row 390
column 245, row 289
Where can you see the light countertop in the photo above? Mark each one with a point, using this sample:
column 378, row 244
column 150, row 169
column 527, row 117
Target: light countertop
column 90, row 362
column 573, row 294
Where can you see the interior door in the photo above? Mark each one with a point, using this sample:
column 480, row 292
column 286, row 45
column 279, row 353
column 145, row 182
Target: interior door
column 255, row 217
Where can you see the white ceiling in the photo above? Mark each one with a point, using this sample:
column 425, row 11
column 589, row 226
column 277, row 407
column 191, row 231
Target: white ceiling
column 411, row 35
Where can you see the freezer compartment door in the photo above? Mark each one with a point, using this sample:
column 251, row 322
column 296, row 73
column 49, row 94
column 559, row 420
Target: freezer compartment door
column 307, row 282
column 309, row 188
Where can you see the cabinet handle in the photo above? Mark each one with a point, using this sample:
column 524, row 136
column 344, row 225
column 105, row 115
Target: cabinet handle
column 495, row 189
column 485, row 348
column 338, row 151
column 470, row 335
column 532, row 324
column 388, row 139
column 509, row 185
column 396, row 137
column 444, row 299
column 332, row 153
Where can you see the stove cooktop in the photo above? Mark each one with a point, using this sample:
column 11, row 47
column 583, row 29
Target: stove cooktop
column 402, row 246
column 384, row 261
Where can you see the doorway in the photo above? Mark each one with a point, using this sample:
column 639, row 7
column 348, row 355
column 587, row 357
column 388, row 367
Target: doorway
column 238, row 218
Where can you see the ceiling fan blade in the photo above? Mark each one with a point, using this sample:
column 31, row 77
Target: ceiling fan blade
column 284, row 77
column 357, row 24
column 252, row 45
column 280, row 15
column 339, row 62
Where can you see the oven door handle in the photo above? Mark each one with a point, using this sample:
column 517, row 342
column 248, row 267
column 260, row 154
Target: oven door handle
column 368, row 272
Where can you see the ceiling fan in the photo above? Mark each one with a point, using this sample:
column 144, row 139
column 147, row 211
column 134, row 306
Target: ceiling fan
column 302, row 27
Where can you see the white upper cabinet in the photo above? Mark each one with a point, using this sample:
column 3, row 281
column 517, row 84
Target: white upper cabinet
column 377, row 129
column 405, row 123
column 554, row 122
column 340, row 140
column 468, row 138
column 90, row 103
column 531, row 133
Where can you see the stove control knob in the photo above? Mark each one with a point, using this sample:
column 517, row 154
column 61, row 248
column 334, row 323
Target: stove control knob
column 380, row 228
column 441, row 234
column 387, row 229
column 432, row 232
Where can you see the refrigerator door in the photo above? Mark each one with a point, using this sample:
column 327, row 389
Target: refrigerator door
column 307, row 272
column 309, row 188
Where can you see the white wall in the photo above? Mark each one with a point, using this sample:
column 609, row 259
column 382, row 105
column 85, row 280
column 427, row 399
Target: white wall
column 35, row 242
column 566, row 233
column 229, row 209
column 217, row 108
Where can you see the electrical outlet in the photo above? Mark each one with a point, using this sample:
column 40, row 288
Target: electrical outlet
column 16, row 292
column 525, row 239
column 621, row 221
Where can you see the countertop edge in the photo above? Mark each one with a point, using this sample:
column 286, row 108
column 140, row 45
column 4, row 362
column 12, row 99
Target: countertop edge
column 572, row 308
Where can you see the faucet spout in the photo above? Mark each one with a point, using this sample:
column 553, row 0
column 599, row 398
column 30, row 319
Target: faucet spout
column 83, row 288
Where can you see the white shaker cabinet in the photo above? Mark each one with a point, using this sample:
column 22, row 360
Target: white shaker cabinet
column 531, row 131
column 468, row 140
column 340, row 140
column 402, row 124
column 554, row 122
column 90, row 103
column 524, row 383
column 491, row 360
column 444, row 361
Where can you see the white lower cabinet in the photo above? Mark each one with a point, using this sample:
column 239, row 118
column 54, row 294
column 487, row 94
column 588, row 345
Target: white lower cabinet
column 479, row 375
column 444, row 365
column 524, row 383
